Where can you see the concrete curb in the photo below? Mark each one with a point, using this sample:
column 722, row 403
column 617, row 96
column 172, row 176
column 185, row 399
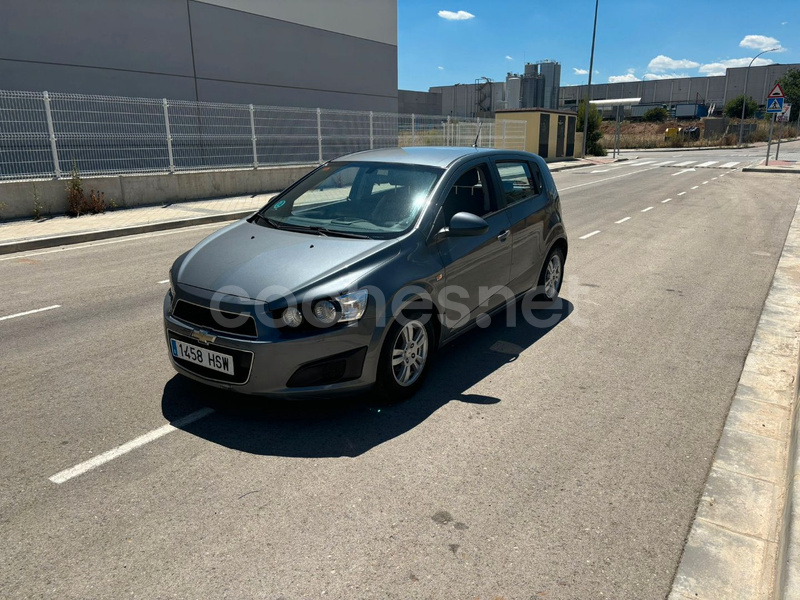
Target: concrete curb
column 794, row 170
column 92, row 236
column 737, row 545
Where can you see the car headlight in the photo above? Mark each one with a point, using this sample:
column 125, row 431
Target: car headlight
column 342, row 309
column 171, row 284
column 352, row 305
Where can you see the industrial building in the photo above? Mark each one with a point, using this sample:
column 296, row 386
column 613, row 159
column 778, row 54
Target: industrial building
column 537, row 88
column 301, row 53
column 713, row 92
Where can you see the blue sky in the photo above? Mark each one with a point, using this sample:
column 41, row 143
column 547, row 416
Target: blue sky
column 447, row 42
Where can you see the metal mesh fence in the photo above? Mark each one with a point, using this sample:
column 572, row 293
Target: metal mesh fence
column 46, row 135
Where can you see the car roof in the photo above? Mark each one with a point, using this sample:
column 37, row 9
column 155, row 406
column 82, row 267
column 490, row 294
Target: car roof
column 433, row 156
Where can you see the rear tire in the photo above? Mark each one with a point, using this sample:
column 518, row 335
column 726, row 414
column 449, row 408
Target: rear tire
column 405, row 358
column 551, row 277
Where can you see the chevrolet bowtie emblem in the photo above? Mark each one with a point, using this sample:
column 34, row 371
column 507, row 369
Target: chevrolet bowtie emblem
column 203, row 337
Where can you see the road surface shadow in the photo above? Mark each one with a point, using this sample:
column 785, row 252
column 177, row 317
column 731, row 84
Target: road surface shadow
column 351, row 426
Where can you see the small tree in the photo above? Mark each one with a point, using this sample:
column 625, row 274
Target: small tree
column 659, row 114
column 76, row 200
column 733, row 109
column 594, row 135
column 790, row 83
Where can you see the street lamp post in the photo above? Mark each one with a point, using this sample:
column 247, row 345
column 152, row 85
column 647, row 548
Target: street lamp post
column 589, row 86
column 744, row 92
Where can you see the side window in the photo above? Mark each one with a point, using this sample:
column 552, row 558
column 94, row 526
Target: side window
column 472, row 193
column 518, row 181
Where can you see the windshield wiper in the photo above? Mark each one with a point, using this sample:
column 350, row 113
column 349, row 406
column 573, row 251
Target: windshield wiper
column 345, row 234
column 270, row 222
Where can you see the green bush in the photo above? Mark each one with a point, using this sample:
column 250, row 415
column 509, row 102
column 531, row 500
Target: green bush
column 659, row 114
column 733, row 109
column 594, row 135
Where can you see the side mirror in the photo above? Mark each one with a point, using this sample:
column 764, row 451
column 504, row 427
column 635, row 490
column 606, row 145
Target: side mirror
column 465, row 224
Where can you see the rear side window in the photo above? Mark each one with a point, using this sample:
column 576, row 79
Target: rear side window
column 518, row 181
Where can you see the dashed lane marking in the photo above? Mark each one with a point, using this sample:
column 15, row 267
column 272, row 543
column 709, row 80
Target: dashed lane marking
column 30, row 312
column 588, row 235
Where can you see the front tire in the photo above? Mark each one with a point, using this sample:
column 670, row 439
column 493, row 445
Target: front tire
column 405, row 358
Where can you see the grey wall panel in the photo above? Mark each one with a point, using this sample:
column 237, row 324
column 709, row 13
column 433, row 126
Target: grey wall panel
column 273, row 52
column 139, row 35
column 36, row 77
column 243, row 93
column 369, row 19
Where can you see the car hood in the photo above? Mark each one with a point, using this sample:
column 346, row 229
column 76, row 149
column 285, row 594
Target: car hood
column 253, row 258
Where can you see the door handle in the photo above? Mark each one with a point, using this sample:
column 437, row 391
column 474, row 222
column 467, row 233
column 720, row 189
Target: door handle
column 503, row 236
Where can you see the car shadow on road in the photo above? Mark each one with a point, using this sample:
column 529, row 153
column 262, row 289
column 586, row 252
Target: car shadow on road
column 351, row 426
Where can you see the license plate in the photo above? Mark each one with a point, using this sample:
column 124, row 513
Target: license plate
column 202, row 356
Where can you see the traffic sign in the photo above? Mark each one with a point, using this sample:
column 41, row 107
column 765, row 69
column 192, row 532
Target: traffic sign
column 777, row 92
column 775, row 105
column 783, row 117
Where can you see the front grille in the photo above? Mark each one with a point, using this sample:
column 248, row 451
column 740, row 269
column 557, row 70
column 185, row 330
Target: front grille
column 214, row 319
column 242, row 362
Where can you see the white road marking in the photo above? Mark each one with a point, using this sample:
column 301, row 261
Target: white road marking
column 606, row 170
column 127, row 238
column 685, row 163
column 705, row 182
column 572, row 187
column 713, row 178
column 641, row 163
column 648, row 208
column 666, row 162
column 30, row 312
column 588, row 235
column 729, row 165
column 695, row 187
column 682, row 172
column 105, row 457
column 681, row 193
column 622, row 220
column 665, row 201
column 164, row 281
column 708, row 164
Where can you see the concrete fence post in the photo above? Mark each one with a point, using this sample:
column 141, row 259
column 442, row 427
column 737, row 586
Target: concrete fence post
column 371, row 136
column 52, row 133
column 169, row 136
column 447, row 134
column 319, row 134
column 413, row 130
column 253, row 136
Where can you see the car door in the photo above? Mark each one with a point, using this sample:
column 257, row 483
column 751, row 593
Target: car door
column 474, row 264
column 526, row 205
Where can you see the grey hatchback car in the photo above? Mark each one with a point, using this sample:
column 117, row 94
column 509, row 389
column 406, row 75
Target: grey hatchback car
column 352, row 277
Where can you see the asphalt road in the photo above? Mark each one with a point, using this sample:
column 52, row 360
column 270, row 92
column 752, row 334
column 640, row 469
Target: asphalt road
column 563, row 461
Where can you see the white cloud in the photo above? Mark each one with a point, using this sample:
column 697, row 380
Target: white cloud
column 663, row 63
column 509, row 57
column 761, row 42
column 623, row 78
column 784, row 22
column 440, row 68
column 652, row 76
column 461, row 15
column 580, row 71
column 718, row 68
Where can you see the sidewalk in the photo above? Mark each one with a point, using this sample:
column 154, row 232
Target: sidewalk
column 23, row 235
column 775, row 166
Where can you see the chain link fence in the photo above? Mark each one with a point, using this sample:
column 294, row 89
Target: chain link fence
column 46, row 135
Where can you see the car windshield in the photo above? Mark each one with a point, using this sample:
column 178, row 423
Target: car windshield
column 356, row 199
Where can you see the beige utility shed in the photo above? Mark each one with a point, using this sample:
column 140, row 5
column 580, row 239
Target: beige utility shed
column 549, row 133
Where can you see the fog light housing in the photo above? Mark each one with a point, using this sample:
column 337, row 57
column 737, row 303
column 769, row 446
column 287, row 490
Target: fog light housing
column 292, row 317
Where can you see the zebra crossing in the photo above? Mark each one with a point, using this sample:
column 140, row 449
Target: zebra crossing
column 709, row 164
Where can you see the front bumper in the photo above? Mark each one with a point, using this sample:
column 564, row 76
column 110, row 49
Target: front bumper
column 273, row 364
